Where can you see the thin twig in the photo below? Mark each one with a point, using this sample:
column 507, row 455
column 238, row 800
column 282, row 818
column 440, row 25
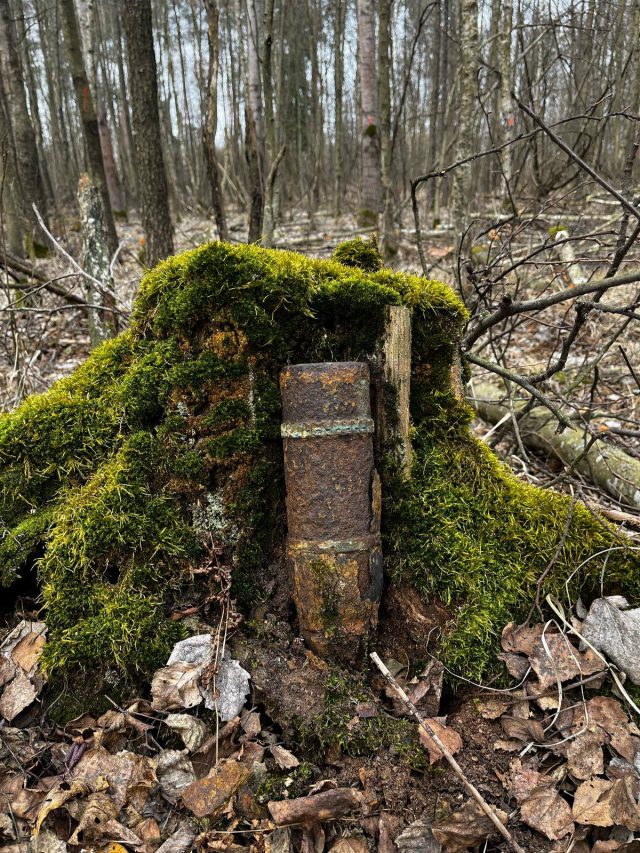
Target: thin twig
column 469, row 788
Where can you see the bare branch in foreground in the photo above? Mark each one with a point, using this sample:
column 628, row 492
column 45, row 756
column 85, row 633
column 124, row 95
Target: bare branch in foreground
column 469, row 788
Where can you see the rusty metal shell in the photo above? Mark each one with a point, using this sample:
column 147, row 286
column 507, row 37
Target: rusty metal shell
column 333, row 504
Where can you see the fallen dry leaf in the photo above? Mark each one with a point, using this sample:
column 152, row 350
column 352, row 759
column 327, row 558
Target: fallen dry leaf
column 57, row 798
column 584, row 754
column 554, row 658
column 193, row 731
column 449, row 737
column 180, row 841
column 517, row 728
column 521, row 781
column 17, row 695
column 175, row 772
column 284, row 759
column 176, row 686
column 600, row 802
column 547, row 812
column 125, row 772
column 465, row 827
column 208, row 797
column 417, row 837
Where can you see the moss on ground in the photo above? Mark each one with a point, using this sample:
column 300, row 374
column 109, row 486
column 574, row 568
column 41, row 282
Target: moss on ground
column 167, row 438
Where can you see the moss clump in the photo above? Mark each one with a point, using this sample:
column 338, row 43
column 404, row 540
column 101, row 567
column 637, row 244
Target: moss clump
column 359, row 253
column 339, row 726
column 166, row 442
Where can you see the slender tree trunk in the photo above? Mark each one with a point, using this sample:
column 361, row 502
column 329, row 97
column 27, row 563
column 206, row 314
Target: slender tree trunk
column 434, row 108
column 20, row 129
column 145, row 119
column 96, row 262
column 268, row 219
column 34, row 105
column 338, row 79
column 389, row 243
column 210, row 125
column 371, row 185
column 10, row 214
column 88, row 115
column 254, row 120
column 468, row 71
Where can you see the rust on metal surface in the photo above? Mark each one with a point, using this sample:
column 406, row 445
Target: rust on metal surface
column 333, row 504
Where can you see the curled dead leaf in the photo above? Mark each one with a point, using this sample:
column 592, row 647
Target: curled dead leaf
column 449, row 737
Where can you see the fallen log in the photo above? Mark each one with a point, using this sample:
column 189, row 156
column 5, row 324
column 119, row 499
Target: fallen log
column 606, row 466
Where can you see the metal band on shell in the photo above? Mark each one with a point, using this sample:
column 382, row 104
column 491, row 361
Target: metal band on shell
column 328, row 428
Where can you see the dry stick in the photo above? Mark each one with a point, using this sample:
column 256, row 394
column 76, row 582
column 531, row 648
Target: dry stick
column 469, row 788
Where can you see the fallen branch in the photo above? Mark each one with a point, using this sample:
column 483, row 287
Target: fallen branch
column 327, row 805
column 10, row 263
column 469, row 788
column 606, row 466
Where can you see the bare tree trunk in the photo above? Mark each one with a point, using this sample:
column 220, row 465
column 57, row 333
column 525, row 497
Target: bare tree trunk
column 371, row 185
column 88, row 115
column 210, row 125
column 96, row 262
column 338, row 77
column 468, row 71
column 10, row 216
column 255, row 135
column 20, row 129
column 389, row 243
column 268, row 219
column 145, row 120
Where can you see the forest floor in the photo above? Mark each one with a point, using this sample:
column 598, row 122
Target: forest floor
column 555, row 752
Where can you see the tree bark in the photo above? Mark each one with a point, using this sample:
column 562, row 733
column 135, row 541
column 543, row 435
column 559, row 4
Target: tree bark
column 96, row 262
column 254, row 120
column 371, row 185
column 338, row 76
column 210, row 125
column 467, row 77
column 389, row 244
column 10, row 215
column 28, row 182
column 145, row 120
column 88, row 116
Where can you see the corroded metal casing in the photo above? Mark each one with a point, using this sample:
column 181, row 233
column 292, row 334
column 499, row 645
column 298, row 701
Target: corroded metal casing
column 333, row 504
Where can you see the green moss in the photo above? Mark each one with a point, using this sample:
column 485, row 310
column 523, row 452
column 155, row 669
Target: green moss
column 168, row 438
column 359, row 253
column 367, row 218
column 339, row 726
column 285, row 784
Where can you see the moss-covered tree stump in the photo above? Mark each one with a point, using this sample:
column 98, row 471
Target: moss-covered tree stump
column 166, row 441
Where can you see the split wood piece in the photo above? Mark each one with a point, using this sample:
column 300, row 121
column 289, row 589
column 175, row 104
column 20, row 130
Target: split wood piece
column 469, row 788
column 605, row 465
column 392, row 416
column 327, row 805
